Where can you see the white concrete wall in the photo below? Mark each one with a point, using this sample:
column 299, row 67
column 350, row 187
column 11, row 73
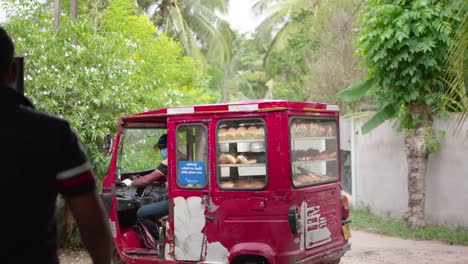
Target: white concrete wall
column 380, row 174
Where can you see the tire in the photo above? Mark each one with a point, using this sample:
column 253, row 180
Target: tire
column 250, row 260
column 336, row 261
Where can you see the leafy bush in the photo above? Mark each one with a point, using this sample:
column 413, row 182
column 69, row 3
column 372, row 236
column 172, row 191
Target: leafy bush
column 91, row 73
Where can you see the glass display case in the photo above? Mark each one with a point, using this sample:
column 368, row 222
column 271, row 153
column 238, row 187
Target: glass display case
column 241, row 153
column 313, row 151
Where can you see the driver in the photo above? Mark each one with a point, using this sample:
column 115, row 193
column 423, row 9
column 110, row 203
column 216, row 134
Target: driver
column 148, row 213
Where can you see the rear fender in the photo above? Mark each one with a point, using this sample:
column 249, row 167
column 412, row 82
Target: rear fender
column 252, row 248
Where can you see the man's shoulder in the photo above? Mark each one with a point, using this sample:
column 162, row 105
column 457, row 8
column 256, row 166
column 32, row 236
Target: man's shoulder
column 41, row 118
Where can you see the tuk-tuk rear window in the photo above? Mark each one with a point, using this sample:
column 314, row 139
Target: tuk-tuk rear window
column 192, row 156
column 314, row 144
column 241, row 148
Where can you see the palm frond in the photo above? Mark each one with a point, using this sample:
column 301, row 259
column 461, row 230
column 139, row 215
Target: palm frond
column 262, row 5
column 280, row 41
column 216, row 44
column 279, row 22
column 215, row 5
column 456, row 96
column 197, row 26
column 271, row 24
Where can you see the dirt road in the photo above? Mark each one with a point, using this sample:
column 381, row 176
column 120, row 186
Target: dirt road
column 367, row 248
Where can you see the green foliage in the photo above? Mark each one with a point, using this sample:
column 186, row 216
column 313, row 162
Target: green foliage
column 404, row 44
column 287, row 66
column 357, row 90
column 364, row 219
column 387, row 112
column 92, row 77
column 431, row 142
column 311, row 56
column 456, row 97
column 244, row 76
column 136, row 152
column 196, row 25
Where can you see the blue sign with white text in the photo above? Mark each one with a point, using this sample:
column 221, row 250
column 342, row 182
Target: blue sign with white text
column 192, row 172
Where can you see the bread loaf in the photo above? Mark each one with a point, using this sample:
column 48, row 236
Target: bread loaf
column 222, row 159
column 314, row 130
column 330, row 131
column 256, row 184
column 231, row 133
column 222, row 134
column 241, row 159
column 249, row 184
column 251, row 132
column 323, row 131
column 227, row 184
column 241, row 133
column 226, row 159
column 230, row 159
column 260, row 133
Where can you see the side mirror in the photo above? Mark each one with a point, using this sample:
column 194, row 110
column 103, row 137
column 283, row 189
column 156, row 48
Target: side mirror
column 108, row 144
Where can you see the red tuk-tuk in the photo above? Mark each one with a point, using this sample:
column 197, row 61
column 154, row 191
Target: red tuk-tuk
column 248, row 182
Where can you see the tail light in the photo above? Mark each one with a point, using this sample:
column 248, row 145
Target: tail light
column 294, row 219
column 344, row 207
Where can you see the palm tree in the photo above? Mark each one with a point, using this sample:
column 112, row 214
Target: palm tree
column 244, row 77
column 196, row 24
column 279, row 23
column 456, row 97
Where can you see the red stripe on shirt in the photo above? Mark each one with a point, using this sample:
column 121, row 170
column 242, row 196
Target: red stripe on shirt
column 78, row 180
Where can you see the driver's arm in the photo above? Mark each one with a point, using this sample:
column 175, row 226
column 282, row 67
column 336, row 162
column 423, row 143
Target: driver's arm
column 155, row 175
column 147, row 179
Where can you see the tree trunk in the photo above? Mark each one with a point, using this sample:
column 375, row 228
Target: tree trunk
column 73, row 10
column 74, row 15
column 269, row 91
column 57, row 9
column 416, row 156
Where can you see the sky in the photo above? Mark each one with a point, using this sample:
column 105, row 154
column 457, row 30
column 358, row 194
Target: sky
column 241, row 16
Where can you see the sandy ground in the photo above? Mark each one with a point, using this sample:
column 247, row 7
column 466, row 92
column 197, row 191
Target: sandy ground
column 366, row 248
column 376, row 249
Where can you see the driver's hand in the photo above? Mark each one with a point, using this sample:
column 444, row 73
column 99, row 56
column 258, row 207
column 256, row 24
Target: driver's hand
column 127, row 182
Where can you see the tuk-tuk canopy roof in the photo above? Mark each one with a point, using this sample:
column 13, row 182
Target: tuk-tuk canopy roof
column 240, row 106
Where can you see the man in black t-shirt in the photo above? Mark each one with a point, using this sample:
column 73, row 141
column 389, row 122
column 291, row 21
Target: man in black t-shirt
column 42, row 157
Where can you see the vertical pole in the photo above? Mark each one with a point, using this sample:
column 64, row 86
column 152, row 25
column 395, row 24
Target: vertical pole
column 57, row 7
column 353, row 162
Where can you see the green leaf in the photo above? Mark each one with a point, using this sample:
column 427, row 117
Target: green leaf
column 357, row 90
column 387, row 112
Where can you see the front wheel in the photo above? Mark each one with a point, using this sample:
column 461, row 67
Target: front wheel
column 250, row 260
column 336, row 261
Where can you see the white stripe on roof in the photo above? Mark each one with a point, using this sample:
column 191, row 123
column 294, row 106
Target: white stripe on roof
column 73, row 171
column 248, row 107
column 180, row 110
column 333, row 107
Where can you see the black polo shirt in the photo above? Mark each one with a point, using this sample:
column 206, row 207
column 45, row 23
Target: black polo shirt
column 41, row 157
